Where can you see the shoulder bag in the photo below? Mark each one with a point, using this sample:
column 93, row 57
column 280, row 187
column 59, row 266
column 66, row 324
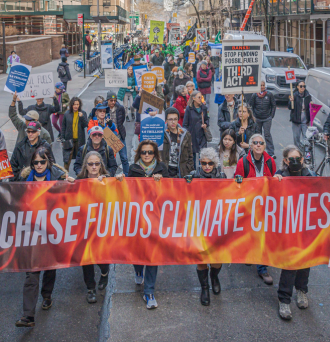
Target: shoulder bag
column 207, row 131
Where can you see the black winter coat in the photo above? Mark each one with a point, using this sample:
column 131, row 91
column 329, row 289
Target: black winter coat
column 192, row 121
column 67, row 131
column 167, row 69
column 263, row 107
column 135, row 170
column 120, row 115
column 67, row 77
column 22, row 155
column 157, row 61
column 105, row 151
column 224, row 115
column 326, row 128
column 44, row 111
column 136, row 105
column 295, row 115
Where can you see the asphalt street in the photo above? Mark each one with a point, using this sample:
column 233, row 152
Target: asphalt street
column 246, row 309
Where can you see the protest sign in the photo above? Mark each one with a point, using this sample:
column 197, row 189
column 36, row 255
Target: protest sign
column 112, row 140
column 5, row 167
column 156, row 32
column 313, row 110
column 107, row 56
column 192, row 57
column 177, row 52
column 290, row 76
column 51, row 225
column 115, row 78
column 148, row 81
column 155, row 102
column 138, row 71
column 159, row 70
column 17, row 78
column 38, row 86
column 201, row 35
column 174, row 35
column 241, row 66
column 216, row 52
column 217, row 87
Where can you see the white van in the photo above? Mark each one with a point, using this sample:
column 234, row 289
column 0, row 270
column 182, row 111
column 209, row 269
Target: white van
column 238, row 35
column 318, row 85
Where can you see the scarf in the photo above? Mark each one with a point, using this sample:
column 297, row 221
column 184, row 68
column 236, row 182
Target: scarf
column 211, row 174
column 261, row 95
column 147, row 169
column 33, row 174
column 60, row 101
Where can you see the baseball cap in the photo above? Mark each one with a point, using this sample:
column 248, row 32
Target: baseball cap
column 156, row 50
column 34, row 125
column 96, row 129
column 31, row 115
column 111, row 95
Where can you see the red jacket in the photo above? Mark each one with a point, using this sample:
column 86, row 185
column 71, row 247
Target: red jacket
column 200, row 79
column 252, row 171
column 181, row 104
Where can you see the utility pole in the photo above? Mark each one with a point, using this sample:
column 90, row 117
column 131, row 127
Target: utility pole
column 99, row 28
column 83, row 41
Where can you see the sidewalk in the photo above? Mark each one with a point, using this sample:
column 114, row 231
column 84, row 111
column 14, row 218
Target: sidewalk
column 74, row 87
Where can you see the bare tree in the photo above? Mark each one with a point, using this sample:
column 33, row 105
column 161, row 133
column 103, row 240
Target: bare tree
column 150, row 8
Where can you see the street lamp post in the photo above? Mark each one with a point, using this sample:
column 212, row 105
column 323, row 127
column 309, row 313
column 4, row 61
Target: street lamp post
column 99, row 28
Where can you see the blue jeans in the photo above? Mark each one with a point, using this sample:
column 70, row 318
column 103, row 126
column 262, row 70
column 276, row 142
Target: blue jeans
column 123, row 158
column 262, row 269
column 150, row 276
column 216, row 74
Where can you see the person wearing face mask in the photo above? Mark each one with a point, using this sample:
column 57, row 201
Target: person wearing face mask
column 227, row 112
column 181, row 79
column 299, row 115
column 292, row 166
column 12, row 58
column 263, row 106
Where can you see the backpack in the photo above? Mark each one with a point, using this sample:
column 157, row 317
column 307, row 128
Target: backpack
column 246, row 166
column 61, row 71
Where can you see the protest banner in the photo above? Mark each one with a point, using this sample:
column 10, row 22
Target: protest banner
column 148, row 81
column 201, row 35
column 5, row 167
column 241, row 66
column 38, row 86
column 174, row 36
column 138, row 71
column 112, row 140
column 50, row 225
column 168, row 30
column 17, row 78
column 115, row 78
column 159, row 70
column 156, row 32
column 107, row 56
column 191, row 57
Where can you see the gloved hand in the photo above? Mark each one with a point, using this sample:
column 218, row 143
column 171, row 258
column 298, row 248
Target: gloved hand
column 238, row 179
column 109, row 122
column 188, row 178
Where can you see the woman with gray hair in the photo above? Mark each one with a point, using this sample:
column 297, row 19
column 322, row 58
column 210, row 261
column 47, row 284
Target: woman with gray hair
column 209, row 168
column 292, row 165
column 181, row 101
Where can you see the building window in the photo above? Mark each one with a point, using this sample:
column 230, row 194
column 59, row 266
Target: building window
column 106, row 3
column 90, row 2
column 201, row 5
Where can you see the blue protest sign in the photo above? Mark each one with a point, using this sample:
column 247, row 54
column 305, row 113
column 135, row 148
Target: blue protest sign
column 17, row 78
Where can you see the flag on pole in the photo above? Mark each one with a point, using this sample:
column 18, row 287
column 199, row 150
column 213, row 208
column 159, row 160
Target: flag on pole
column 218, row 38
column 191, row 34
column 313, row 110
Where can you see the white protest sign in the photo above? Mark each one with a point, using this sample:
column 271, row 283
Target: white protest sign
column 241, row 66
column 215, row 52
column 115, row 78
column 217, row 87
column 38, row 86
column 174, row 36
column 201, row 35
column 107, row 56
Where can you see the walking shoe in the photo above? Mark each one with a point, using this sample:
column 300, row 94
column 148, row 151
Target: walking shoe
column 203, row 276
column 59, row 138
column 127, row 118
column 150, row 300
column 268, row 280
column 46, row 303
column 103, row 282
column 26, row 322
column 302, row 300
column 284, row 311
column 91, row 296
column 216, row 287
column 139, row 278
column 133, row 116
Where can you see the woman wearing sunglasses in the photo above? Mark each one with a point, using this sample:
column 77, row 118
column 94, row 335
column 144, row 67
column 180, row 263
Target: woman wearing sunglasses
column 93, row 167
column 209, row 168
column 299, row 115
column 41, row 169
column 147, row 163
column 292, row 165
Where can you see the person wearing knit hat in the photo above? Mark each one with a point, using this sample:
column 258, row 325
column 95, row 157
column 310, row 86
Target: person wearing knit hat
column 204, row 80
column 63, row 101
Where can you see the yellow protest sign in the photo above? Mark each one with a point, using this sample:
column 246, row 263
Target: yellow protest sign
column 191, row 57
column 156, row 32
column 159, row 70
column 148, row 81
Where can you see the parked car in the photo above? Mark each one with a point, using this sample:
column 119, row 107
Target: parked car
column 274, row 65
column 318, row 85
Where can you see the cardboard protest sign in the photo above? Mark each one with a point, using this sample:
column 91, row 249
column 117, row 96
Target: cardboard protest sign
column 290, row 76
column 107, row 56
column 17, row 78
column 154, row 101
column 148, row 81
column 38, row 86
column 112, row 140
column 156, row 32
column 138, row 71
column 159, row 70
column 241, row 66
column 115, row 78
column 5, row 167
column 201, row 35
column 192, row 57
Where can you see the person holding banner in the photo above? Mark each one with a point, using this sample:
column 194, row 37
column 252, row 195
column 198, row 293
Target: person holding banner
column 42, row 168
column 292, row 166
column 299, row 115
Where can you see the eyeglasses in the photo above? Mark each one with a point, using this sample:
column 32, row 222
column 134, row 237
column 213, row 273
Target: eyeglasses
column 92, row 164
column 293, row 159
column 36, row 162
column 302, row 86
column 99, row 135
column 258, row 142
column 211, row 163
column 151, row 153
column 172, row 120
column 30, row 132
